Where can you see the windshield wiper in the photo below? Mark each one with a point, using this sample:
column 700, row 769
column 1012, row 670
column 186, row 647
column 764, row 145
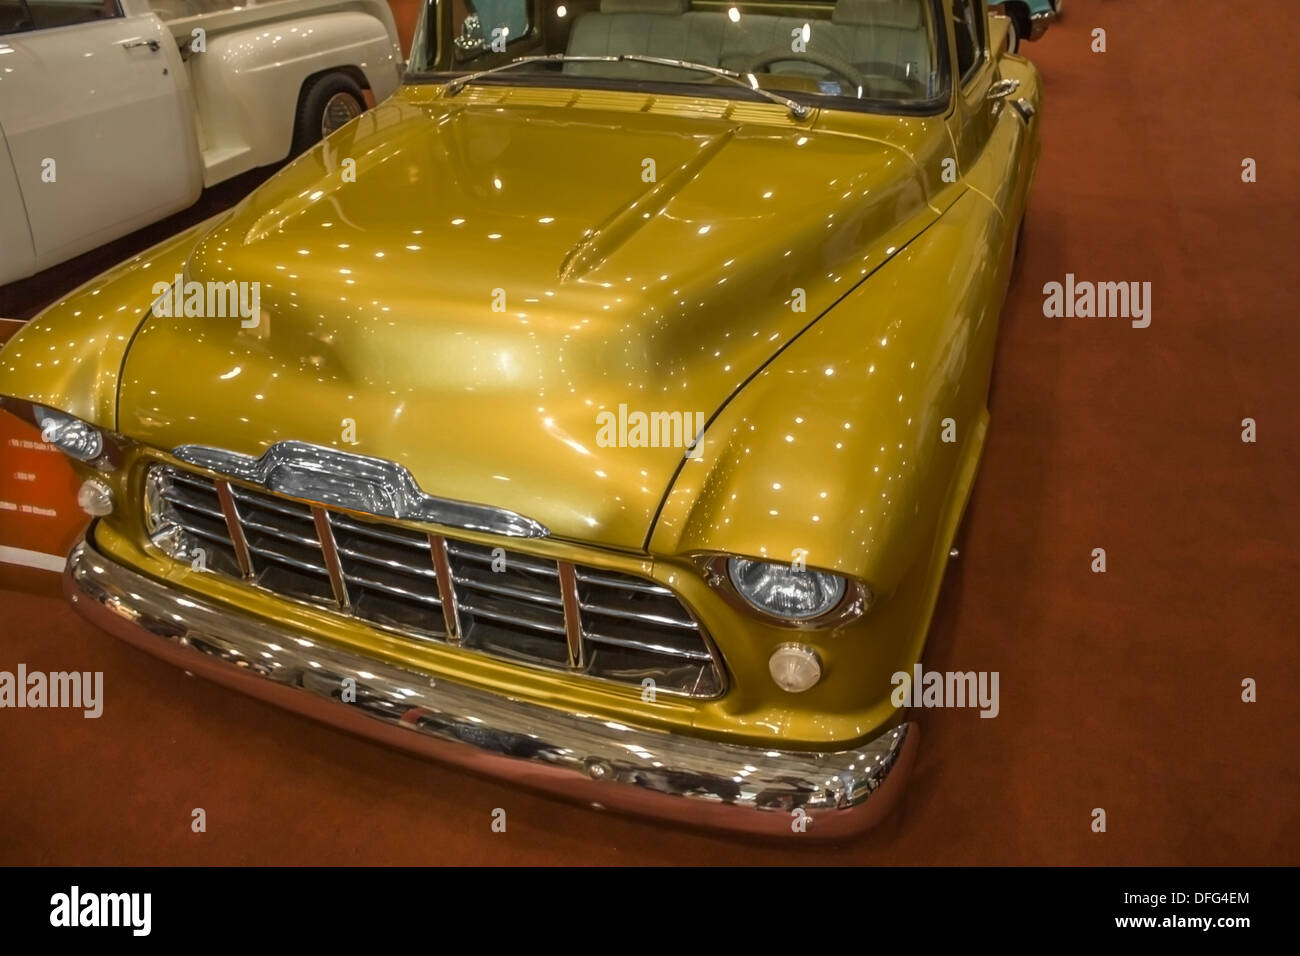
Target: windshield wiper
column 748, row 80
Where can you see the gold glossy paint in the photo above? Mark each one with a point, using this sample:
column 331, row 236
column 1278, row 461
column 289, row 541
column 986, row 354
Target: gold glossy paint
column 380, row 293
column 673, row 295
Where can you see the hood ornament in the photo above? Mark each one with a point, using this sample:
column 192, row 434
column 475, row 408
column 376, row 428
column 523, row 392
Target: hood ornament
column 341, row 479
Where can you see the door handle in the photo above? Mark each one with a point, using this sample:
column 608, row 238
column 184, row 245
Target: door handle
column 1003, row 88
column 152, row 44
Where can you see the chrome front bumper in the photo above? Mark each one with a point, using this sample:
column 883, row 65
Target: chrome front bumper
column 578, row 756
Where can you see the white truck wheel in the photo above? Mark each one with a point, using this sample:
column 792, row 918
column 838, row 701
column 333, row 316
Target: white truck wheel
column 328, row 102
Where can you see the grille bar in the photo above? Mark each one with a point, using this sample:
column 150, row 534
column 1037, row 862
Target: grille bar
column 638, row 616
column 235, row 527
column 357, row 527
column 517, row 617
column 289, row 560
column 388, row 563
column 393, row 589
column 446, row 585
column 515, row 561
column 330, row 550
column 525, row 608
column 506, row 591
column 587, row 577
column 644, row 646
column 572, row 614
column 284, row 535
column 262, row 501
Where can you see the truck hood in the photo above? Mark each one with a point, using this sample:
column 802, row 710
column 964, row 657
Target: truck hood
column 497, row 274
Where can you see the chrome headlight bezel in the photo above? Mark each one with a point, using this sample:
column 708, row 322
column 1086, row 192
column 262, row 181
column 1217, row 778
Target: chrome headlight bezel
column 853, row 597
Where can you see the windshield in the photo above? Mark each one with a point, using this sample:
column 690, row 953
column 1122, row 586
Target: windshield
column 853, row 54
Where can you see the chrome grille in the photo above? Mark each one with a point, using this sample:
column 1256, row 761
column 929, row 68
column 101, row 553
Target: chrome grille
column 531, row 610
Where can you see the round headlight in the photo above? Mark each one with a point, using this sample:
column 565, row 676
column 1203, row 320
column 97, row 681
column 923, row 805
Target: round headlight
column 782, row 591
column 72, row 436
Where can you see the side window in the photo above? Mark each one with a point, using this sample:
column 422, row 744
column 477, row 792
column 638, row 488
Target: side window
column 17, row 16
column 969, row 23
column 487, row 26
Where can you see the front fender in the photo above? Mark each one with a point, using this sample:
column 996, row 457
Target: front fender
column 837, row 448
column 70, row 356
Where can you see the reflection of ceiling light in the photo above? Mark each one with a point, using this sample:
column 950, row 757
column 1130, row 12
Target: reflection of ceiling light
column 734, row 15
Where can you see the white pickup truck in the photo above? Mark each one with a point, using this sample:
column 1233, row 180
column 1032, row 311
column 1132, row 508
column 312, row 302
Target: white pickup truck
column 116, row 113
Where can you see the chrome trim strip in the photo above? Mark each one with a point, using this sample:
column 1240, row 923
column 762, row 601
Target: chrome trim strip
column 595, row 637
column 516, row 561
column 298, row 511
column 235, row 528
column 582, row 757
column 325, row 535
column 572, row 614
column 290, row 561
column 210, row 536
column 341, row 479
column 629, row 584
column 504, row 590
column 396, row 567
column 446, row 587
column 605, row 610
column 393, row 589
column 378, row 533
column 283, row 535
column 170, row 497
column 505, row 617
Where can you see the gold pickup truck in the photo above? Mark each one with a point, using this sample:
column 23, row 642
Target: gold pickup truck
column 597, row 412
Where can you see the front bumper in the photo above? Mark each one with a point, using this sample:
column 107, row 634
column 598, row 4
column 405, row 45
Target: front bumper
column 578, row 756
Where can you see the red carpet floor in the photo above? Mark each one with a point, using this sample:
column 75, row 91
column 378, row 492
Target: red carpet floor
column 1118, row 690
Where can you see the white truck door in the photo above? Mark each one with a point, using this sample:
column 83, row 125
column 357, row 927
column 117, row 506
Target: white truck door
column 97, row 116
column 17, row 257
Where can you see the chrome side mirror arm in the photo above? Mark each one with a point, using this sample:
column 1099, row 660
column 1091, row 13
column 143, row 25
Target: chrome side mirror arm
column 1003, row 88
